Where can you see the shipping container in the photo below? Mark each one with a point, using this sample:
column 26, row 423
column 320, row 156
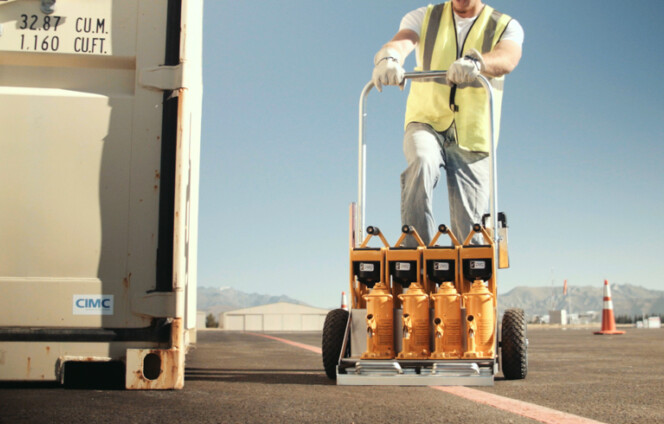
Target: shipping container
column 100, row 108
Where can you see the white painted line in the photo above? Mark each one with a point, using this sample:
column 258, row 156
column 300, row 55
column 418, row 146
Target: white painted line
column 525, row 409
column 296, row 344
column 517, row 407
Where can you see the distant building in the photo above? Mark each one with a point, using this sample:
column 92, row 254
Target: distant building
column 200, row 319
column 558, row 317
column 588, row 317
column 652, row 322
column 537, row 319
column 275, row 317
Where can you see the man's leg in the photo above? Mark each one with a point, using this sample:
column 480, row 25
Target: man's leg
column 422, row 147
column 469, row 188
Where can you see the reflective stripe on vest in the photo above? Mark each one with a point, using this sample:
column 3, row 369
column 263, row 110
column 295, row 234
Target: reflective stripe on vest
column 435, row 103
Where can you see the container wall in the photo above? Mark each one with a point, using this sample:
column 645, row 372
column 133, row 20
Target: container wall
column 87, row 215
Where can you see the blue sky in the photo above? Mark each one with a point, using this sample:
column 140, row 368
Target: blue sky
column 579, row 160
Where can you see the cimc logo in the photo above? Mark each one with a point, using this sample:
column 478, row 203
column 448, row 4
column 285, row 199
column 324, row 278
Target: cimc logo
column 93, row 304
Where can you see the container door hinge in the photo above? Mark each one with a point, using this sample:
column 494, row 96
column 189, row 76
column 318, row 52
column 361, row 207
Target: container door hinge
column 162, row 77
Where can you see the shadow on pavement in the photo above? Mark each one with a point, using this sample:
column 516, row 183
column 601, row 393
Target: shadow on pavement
column 264, row 376
column 80, row 376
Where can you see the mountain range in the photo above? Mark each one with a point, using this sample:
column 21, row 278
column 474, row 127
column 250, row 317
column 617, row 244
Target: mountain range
column 216, row 300
column 627, row 299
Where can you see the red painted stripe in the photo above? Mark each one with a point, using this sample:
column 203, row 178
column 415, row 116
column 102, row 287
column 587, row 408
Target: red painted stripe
column 517, row 407
column 292, row 343
column 528, row 410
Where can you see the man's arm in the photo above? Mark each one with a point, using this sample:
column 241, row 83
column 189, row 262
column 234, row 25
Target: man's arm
column 404, row 43
column 502, row 59
column 388, row 62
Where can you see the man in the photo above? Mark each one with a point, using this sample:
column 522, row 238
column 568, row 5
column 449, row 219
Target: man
column 447, row 120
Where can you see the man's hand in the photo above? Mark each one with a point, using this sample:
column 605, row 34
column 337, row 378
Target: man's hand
column 466, row 69
column 387, row 69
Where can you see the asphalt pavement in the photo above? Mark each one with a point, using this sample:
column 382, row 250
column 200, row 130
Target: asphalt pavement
column 246, row 378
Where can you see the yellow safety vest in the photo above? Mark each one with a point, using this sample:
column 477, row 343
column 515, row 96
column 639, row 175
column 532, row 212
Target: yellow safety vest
column 434, row 102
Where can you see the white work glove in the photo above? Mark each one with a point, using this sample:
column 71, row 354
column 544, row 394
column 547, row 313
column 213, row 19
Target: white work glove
column 387, row 69
column 466, row 69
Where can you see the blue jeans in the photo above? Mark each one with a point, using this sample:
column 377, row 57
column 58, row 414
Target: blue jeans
column 468, row 182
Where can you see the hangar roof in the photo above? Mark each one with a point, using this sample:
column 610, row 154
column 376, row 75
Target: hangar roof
column 278, row 308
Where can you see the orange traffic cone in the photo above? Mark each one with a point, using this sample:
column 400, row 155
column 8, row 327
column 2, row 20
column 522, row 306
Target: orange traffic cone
column 344, row 302
column 608, row 320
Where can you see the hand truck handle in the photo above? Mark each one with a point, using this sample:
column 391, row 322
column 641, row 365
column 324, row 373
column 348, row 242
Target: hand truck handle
column 361, row 183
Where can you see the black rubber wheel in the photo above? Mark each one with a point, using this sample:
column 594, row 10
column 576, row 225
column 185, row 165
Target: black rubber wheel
column 334, row 331
column 514, row 345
